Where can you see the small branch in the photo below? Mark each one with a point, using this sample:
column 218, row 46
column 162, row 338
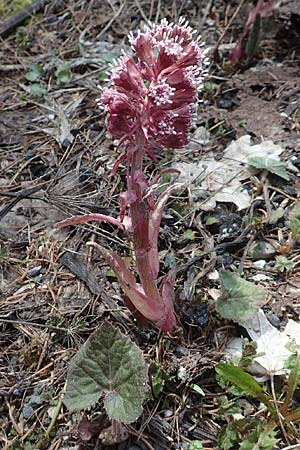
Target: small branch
column 13, row 22
column 56, row 412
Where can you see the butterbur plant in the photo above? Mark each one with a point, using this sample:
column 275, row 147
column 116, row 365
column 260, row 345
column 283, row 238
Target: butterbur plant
column 149, row 107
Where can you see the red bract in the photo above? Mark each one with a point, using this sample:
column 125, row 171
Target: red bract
column 149, row 104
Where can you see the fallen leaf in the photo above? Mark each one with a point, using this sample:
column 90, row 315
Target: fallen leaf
column 221, row 181
column 271, row 343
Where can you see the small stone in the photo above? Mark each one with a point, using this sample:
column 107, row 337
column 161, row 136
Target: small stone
column 28, row 411
column 262, row 250
column 213, row 276
column 180, row 351
column 273, row 319
column 259, row 264
column 168, row 413
column 225, row 103
column 182, row 374
column 34, row 271
column 261, row 277
column 246, row 407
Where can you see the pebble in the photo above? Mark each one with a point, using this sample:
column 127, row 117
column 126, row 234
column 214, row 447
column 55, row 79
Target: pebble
column 34, row 271
column 180, row 351
column 213, row 276
column 259, row 264
column 273, row 319
column 262, row 250
column 261, row 277
column 225, row 103
column 168, row 413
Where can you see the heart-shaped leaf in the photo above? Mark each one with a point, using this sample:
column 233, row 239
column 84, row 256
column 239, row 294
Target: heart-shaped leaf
column 109, row 365
column 240, row 299
column 271, row 165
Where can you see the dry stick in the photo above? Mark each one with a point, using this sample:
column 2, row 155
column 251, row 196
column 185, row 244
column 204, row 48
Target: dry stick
column 264, row 180
column 204, row 15
column 277, row 410
column 13, row 22
column 141, row 11
column 228, row 25
column 56, row 412
column 19, row 196
column 111, row 20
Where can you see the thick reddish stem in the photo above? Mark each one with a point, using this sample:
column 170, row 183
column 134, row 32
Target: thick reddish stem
column 139, row 213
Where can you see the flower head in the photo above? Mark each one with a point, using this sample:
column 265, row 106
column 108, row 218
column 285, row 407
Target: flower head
column 154, row 90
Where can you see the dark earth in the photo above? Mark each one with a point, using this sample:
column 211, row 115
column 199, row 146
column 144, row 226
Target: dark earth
column 55, row 161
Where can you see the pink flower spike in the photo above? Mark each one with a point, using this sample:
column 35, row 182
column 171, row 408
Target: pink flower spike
column 150, row 106
column 147, row 89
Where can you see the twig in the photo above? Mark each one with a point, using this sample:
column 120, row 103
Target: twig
column 13, row 22
column 277, row 409
column 108, row 25
column 141, row 11
column 19, row 196
column 56, row 412
column 228, row 26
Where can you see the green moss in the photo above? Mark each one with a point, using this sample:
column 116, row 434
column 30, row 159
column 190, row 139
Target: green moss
column 13, row 7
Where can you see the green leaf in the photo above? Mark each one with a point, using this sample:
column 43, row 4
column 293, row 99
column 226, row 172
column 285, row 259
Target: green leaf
column 243, row 380
column 228, row 436
column 38, row 90
column 35, row 73
column 211, row 221
column 198, row 389
column 275, row 215
column 189, row 235
column 157, row 380
column 63, row 74
column 269, row 164
column 260, row 439
column 109, row 57
column 240, row 299
column 108, row 364
column 283, row 263
column 295, row 228
column 195, row 445
column 254, row 37
column 294, row 211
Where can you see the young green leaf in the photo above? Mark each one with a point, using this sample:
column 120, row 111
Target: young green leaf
column 189, row 235
column 295, row 228
column 271, row 165
column 35, row 73
column 254, row 37
column 283, row 263
column 108, row 364
column 64, row 74
column 243, row 380
column 195, row 445
column 260, row 439
column 228, row 436
column 240, row 299
column 37, row 89
column 197, row 389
